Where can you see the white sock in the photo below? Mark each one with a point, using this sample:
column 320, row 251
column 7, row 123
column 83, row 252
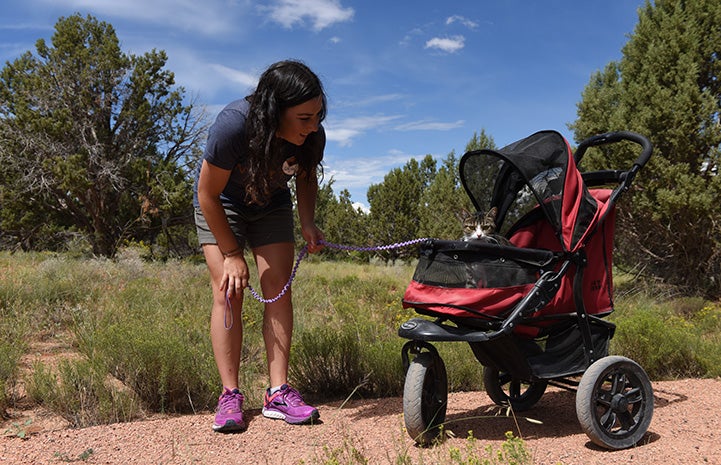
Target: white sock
column 273, row 390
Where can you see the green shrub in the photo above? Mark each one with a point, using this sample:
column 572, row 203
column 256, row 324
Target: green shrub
column 326, row 362
column 10, row 353
column 670, row 340
column 82, row 393
column 169, row 371
column 12, row 346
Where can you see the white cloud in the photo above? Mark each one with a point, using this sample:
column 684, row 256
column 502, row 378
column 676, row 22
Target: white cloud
column 321, row 13
column 363, row 207
column 368, row 101
column 430, row 126
column 357, row 174
column 344, row 131
column 211, row 17
column 447, row 44
column 197, row 75
column 235, row 76
column 460, row 19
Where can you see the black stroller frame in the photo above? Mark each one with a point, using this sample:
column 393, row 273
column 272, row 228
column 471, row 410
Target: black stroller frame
column 533, row 312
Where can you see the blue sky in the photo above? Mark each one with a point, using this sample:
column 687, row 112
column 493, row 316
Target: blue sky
column 404, row 78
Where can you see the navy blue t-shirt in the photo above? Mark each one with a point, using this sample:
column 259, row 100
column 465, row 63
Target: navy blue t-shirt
column 225, row 150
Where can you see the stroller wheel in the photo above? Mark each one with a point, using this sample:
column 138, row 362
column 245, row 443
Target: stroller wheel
column 503, row 389
column 614, row 402
column 425, row 396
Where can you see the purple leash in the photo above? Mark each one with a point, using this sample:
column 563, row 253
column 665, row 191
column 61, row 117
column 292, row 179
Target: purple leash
column 301, row 255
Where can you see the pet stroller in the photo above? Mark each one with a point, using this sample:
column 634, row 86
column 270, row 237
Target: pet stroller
column 532, row 312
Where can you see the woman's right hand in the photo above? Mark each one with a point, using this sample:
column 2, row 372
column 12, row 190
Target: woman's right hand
column 235, row 275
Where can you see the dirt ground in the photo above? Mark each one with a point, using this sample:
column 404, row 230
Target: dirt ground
column 685, row 430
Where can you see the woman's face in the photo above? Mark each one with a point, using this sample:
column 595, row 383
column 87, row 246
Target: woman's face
column 297, row 122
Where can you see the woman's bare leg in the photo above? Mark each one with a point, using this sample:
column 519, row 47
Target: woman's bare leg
column 227, row 342
column 275, row 263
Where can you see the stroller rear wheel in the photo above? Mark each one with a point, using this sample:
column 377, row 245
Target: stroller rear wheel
column 425, row 397
column 503, row 389
column 614, row 402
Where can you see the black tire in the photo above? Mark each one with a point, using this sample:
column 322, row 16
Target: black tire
column 505, row 390
column 614, row 402
column 425, row 397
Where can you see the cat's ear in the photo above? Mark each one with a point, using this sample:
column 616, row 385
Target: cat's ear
column 463, row 215
column 492, row 214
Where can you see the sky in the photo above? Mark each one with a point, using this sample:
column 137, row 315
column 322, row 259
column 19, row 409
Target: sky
column 404, row 79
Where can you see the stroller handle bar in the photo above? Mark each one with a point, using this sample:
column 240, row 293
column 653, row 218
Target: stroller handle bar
column 618, row 136
column 612, row 137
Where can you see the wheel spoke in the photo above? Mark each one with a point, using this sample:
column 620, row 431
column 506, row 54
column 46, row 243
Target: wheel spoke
column 619, row 383
column 634, row 396
column 608, row 420
column 504, row 378
column 627, row 421
column 514, row 389
column 603, row 398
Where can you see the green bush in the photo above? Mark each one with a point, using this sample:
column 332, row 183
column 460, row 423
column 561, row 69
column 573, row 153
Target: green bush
column 83, row 393
column 12, row 346
column 10, row 353
column 326, row 362
column 154, row 337
column 168, row 368
column 670, row 340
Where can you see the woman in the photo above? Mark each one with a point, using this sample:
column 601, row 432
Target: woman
column 255, row 146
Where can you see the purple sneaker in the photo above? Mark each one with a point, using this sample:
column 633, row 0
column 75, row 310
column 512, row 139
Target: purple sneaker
column 287, row 404
column 229, row 414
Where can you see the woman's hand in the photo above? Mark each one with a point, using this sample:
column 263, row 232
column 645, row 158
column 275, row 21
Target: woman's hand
column 235, row 275
column 313, row 236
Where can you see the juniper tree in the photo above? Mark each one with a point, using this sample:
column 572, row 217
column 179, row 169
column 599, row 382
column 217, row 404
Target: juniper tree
column 93, row 141
column 667, row 86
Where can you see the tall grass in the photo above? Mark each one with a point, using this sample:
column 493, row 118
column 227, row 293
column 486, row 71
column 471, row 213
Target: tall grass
column 141, row 333
column 680, row 338
column 12, row 347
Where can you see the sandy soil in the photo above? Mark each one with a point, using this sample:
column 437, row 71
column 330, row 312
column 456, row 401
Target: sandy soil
column 686, row 429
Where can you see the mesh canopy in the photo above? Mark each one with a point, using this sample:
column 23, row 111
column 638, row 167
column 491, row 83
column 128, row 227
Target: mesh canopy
column 536, row 171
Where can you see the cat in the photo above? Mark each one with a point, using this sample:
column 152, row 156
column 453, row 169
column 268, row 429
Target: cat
column 477, row 226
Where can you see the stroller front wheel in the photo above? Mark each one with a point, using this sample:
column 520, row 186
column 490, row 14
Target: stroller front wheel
column 505, row 390
column 425, row 397
column 614, row 402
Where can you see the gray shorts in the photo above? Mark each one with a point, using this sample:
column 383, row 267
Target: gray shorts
column 254, row 227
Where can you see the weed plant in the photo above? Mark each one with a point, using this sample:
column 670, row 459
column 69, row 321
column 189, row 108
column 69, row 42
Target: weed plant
column 680, row 338
column 12, row 347
column 82, row 392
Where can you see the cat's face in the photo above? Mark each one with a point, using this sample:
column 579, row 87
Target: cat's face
column 477, row 225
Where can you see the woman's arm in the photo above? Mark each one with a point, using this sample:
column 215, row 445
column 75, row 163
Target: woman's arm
column 211, row 183
column 306, row 187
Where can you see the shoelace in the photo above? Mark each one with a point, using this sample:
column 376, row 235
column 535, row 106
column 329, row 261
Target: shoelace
column 231, row 402
column 293, row 397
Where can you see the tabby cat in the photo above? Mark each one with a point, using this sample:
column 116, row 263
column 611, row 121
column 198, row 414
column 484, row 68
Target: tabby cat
column 479, row 226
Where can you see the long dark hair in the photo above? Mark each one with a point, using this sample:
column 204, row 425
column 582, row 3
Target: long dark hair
column 283, row 85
